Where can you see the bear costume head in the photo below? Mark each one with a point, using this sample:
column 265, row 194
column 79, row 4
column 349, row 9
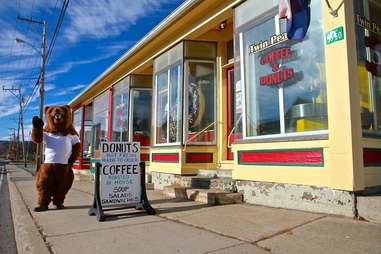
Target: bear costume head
column 59, row 120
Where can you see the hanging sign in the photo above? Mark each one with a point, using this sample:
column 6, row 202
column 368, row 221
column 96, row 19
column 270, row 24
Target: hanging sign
column 280, row 74
column 120, row 178
column 334, row 35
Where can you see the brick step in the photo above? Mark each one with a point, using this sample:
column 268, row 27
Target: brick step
column 206, row 196
column 149, row 186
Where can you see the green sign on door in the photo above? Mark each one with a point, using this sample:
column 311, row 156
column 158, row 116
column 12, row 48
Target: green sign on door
column 334, row 35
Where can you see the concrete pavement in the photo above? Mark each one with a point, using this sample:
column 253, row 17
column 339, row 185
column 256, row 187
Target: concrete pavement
column 180, row 227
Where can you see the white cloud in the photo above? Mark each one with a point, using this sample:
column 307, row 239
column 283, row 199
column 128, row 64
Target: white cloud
column 104, row 18
column 66, row 67
column 30, row 7
column 70, row 89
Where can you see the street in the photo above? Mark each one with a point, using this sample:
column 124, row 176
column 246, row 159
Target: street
column 7, row 239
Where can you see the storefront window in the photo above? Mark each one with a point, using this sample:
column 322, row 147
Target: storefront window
column 200, row 85
column 199, row 101
column 368, row 38
column 100, row 120
column 120, row 111
column 284, row 80
column 141, row 115
column 169, row 105
column 168, row 85
column 77, row 120
column 87, row 135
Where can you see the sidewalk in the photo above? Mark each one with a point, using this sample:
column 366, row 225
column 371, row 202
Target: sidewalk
column 180, row 227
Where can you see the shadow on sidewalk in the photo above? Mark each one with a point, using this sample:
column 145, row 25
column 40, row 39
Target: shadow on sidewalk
column 74, row 207
column 164, row 210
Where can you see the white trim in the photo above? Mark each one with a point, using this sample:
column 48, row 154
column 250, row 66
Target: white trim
column 280, row 87
column 168, row 99
column 243, row 85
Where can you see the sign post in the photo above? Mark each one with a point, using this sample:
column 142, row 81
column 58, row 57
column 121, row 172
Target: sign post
column 119, row 180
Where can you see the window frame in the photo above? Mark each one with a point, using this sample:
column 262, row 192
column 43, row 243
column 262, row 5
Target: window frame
column 299, row 135
column 371, row 82
column 186, row 105
column 131, row 110
column 167, row 69
column 111, row 103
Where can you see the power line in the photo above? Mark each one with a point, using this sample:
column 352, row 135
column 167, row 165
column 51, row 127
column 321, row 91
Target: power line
column 57, row 29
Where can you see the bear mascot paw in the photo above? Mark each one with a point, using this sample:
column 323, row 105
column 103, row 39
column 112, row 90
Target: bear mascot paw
column 61, row 149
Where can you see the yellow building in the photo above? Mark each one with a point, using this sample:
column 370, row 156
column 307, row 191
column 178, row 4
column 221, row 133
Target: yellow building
column 218, row 86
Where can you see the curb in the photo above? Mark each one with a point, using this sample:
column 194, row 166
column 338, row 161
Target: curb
column 27, row 236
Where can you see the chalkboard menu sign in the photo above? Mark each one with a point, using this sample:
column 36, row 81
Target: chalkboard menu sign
column 119, row 179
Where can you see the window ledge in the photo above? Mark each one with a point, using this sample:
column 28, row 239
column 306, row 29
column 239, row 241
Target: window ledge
column 368, row 134
column 283, row 139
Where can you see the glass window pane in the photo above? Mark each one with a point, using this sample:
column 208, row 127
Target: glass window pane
column 368, row 38
column 161, row 107
column 77, row 120
column 120, row 112
column 169, row 58
column 200, row 78
column 284, row 76
column 262, row 101
column 87, row 136
column 305, row 93
column 100, row 119
column 175, row 104
column 200, row 50
column 141, row 116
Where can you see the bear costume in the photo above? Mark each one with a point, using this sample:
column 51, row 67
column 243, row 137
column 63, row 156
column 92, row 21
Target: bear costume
column 62, row 148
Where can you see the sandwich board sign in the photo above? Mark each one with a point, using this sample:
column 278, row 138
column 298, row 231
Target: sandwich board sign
column 119, row 179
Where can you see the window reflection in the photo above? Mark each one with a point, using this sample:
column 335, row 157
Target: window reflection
column 100, row 120
column 141, row 115
column 368, row 43
column 120, row 112
column 285, row 80
column 201, row 101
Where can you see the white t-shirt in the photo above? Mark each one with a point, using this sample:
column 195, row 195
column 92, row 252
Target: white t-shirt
column 58, row 148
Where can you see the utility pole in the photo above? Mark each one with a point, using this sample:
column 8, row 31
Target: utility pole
column 12, row 137
column 42, row 76
column 18, row 135
column 21, row 116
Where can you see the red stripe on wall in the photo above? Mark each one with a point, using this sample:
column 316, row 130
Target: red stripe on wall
column 144, row 157
column 165, row 157
column 199, row 157
column 372, row 157
column 313, row 157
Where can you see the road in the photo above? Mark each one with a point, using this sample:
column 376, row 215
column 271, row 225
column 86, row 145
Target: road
column 7, row 236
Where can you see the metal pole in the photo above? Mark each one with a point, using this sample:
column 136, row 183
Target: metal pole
column 18, row 137
column 22, row 127
column 42, row 92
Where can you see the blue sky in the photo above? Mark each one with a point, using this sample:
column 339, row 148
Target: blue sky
column 93, row 35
